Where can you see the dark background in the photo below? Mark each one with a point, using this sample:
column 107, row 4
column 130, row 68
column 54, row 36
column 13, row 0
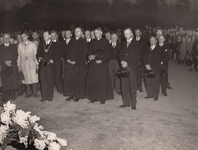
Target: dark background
column 60, row 14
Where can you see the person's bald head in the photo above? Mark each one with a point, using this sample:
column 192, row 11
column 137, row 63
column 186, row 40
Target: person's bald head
column 6, row 38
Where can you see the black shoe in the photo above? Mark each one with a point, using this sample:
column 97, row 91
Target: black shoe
column 133, row 107
column 165, row 94
column 42, row 100
column 168, row 87
column 102, row 102
column 155, row 99
column 147, row 97
column 76, row 99
column 92, row 101
column 70, row 98
column 50, row 100
column 123, row 106
column 140, row 90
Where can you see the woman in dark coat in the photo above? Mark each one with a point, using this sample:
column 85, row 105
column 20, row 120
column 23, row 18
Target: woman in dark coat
column 99, row 86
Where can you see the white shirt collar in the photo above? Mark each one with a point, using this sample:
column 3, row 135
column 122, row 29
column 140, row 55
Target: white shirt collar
column 6, row 44
column 161, row 44
column 129, row 40
column 54, row 40
column 88, row 40
column 152, row 47
column 137, row 38
column 77, row 38
column 47, row 42
column 98, row 39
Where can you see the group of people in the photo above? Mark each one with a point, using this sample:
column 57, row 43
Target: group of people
column 83, row 64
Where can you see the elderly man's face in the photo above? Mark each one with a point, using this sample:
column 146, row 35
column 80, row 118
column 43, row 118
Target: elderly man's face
column 128, row 34
column 153, row 41
column 114, row 38
column 46, row 36
column 24, row 37
column 6, row 38
column 98, row 34
column 87, row 34
column 54, row 36
column 68, row 34
column 137, row 33
column 161, row 39
column 78, row 32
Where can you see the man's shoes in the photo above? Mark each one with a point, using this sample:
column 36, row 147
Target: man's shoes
column 34, row 96
column 92, row 101
column 42, row 100
column 70, row 98
column 123, row 106
column 168, row 87
column 102, row 102
column 165, row 94
column 27, row 96
column 50, row 100
column 156, row 98
column 76, row 99
column 133, row 107
column 147, row 97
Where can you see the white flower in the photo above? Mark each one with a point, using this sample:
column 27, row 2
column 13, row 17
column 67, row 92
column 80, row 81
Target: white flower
column 3, row 130
column 39, row 130
column 9, row 108
column 39, row 144
column 24, row 140
column 21, row 118
column 5, row 118
column 34, row 119
column 54, row 146
column 50, row 135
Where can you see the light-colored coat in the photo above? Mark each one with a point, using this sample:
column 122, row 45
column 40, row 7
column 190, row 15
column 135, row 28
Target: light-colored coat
column 27, row 62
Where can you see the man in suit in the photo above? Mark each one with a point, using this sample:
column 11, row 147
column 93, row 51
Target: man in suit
column 143, row 44
column 108, row 36
column 74, row 83
column 47, row 56
column 152, row 61
column 113, row 65
column 58, row 64
column 165, row 59
column 9, row 73
column 129, row 58
column 88, row 37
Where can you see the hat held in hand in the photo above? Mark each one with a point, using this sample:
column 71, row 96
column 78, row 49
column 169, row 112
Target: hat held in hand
column 122, row 72
column 99, row 54
column 150, row 74
column 7, row 71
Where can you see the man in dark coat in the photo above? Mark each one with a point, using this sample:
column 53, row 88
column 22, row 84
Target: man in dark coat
column 195, row 51
column 58, row 64
column 74, row 83
column 115, row 48
column 152, row 61
column 47, row 56
column 9, row 73
column 143, row 44
column 129, row 58
column 165, row 59
column 99, row 86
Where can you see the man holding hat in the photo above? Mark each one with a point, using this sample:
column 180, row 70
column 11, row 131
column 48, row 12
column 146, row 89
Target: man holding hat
column 9, row 73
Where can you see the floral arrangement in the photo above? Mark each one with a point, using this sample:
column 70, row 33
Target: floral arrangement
column 21, row 130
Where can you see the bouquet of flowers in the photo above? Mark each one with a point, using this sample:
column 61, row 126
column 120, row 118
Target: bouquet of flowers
column 21, row 130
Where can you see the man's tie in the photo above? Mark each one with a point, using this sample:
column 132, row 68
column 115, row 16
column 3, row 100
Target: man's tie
column 128, row 43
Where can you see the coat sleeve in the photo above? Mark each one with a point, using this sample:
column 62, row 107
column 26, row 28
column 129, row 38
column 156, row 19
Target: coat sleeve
column 15, row 55
column 57, row 53
column 107, row 53
column 34, row 47
column 39, row 51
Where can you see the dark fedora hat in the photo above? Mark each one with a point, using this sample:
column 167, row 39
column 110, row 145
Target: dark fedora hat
column 99, row 54
column 71, row 69
column 122, row 72
column 7, row 71
column 150, row 74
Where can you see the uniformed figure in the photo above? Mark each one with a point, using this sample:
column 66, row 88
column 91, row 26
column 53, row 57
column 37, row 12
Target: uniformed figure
column 165, row 59
column 58, row 63
column 113, row 65
column 152, row 61
column 129, row 58
column 47, row 56
column 74, row 83
column 99, row 86
column 28, row 65
column 9, row 73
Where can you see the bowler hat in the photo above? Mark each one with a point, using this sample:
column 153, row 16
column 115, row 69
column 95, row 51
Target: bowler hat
column 150, row 74
column 122, row 72
column 7, row 71
column 99, row 54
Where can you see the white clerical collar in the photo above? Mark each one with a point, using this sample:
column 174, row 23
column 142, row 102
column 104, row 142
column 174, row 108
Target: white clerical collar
column 89, row 40
column 137, row 38
column 161, row 44
column 47, row 42
column 129, row 40
column 98, row 39
column 6, row 44
column 152, row 47
column 77, row 38
column 54, row 40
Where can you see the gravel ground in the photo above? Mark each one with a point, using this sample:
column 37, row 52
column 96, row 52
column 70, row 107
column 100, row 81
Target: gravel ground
column 171, row 123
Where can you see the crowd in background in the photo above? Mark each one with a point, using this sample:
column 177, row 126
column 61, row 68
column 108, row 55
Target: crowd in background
column 40, row 53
